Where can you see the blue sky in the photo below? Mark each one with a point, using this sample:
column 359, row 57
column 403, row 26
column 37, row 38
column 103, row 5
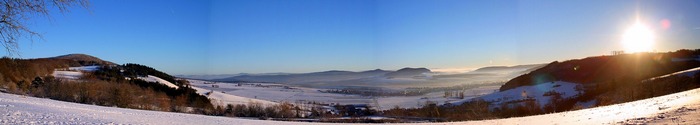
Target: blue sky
column 258, row 36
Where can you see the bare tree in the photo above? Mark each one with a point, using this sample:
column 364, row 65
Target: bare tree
column 14, row 15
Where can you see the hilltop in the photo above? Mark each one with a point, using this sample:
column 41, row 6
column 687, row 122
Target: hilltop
column 84, row 59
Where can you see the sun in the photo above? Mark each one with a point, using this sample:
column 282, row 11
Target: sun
column 638, row 38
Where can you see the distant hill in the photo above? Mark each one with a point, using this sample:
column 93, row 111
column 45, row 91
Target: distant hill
column 325, row 76
column 328, row 76
column 208, row 77
column 386, row 78
column 493, row 69
column 408, row 73
column 84, row 59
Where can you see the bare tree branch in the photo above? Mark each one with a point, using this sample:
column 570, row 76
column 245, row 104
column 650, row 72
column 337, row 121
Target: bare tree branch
column 14, row 15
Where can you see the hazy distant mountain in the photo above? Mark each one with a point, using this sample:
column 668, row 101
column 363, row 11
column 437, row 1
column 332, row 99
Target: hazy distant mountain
column 506, row 72
column 333, row 75
column 84, row 59
column 208, row 77
column 409, row 73
column 507, row 69
column 378, row 77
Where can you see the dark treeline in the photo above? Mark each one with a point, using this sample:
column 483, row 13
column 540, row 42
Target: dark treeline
column 283, row 110
column 25, row 70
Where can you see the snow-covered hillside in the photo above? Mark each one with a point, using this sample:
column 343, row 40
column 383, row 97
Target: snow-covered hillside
column 537, row 92
column 74, row 72
column 67, row 74
column 16, row 109
column 155, row 79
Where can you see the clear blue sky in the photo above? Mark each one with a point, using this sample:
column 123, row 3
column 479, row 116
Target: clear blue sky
column 257, row 36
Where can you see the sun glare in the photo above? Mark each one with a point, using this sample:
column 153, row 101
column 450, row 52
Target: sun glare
column 638, row 38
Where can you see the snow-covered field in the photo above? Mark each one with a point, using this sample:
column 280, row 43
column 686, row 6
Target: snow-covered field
column 277, row 92
column 284, row 93
column 16, row 109
column 537, row 92
column 219, row 98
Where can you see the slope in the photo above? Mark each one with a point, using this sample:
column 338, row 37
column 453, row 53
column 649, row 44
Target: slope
column 84, row 59
column 17, row 109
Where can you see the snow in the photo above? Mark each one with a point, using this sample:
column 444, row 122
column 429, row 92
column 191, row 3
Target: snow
column 537, row 92
column 278, row 93
column 219, row 98
column 74, row 72
column 17, row 109
column 438, row 98
column 678, row 108
column 85, row 68
column 155, row 79
column 688, row 114
column 67, row 74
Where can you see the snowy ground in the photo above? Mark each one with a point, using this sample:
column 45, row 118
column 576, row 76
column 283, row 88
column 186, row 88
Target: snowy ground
column 155, row 79
column 285, row 93
column 688, row 114
column 67, row 74
column 73, row 72
column 222, row 99
column 537, row 92
column 85, row 68
column 15, row 109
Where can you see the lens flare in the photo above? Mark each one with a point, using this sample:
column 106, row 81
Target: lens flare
column 638, row 38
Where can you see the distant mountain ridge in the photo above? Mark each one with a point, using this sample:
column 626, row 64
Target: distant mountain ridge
column 408, row 73
column 333, row 75
column 500, row 68
column 379, row 76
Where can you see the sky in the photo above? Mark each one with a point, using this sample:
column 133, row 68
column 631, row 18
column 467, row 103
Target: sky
column 263, row 36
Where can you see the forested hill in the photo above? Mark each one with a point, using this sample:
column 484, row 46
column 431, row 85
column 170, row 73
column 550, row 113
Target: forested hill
column 603, row 69
column 108, row 85
column 84, row 59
